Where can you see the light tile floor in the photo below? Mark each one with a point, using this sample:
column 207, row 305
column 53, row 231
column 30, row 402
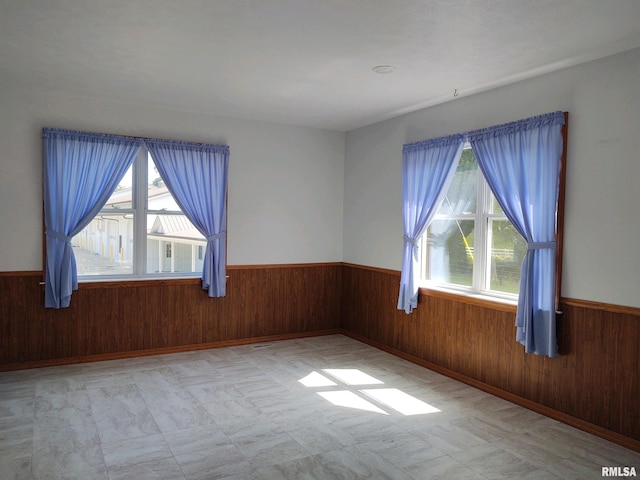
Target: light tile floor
column 315, row 408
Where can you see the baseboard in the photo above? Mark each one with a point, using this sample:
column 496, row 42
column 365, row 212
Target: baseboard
column 614, row 437
column 162, row 351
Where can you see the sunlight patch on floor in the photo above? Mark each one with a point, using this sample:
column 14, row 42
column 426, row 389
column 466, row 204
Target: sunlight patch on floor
column 400, row 401
column 345, row 398
column 390, row 398
column 315, row 379
column 352, row 376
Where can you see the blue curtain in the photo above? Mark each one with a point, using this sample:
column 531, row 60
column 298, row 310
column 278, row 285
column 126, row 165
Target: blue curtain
column 196, row 175
column 521, row 162
column 427, row 171
column 80, row 172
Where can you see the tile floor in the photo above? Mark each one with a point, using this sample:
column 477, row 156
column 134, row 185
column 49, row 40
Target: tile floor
column 315, row 408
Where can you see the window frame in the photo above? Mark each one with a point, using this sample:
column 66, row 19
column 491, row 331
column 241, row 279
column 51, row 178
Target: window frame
column 480, row 277
column 140, row 212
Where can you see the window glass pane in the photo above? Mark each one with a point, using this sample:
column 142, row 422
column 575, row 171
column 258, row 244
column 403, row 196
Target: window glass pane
column 507, row 252
column 495, row 206
column 173, row 245
column 159, row 197
column 104, row 247
column 450, row 251
column 121, row 197
column 462, row 195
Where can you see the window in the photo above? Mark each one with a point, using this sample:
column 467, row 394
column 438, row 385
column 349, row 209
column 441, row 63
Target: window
column 87, row 182
column 471, row 245
column 140, row 232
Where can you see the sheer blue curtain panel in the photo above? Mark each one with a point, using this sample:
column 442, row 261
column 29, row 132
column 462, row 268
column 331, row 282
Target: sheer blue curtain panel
column 80, row 172
column 196, row 176
column 427, row 171
column 521, row 162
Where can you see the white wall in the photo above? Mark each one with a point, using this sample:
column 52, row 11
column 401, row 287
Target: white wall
column 602, row 224
column 286, row 197
column 285, row 183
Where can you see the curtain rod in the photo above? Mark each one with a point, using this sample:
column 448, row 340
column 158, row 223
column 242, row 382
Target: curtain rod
column 135, row 137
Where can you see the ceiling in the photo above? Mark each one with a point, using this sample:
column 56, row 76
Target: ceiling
column 302, row 62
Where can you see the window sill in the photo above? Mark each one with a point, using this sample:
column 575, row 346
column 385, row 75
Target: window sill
column 478, row 299
column 91, row 283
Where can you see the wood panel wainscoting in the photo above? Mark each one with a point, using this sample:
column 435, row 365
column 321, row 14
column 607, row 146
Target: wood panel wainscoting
column 124, row 319
column 593, row 385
